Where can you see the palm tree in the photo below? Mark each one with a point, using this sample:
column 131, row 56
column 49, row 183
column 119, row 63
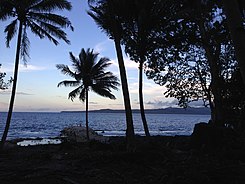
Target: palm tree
column 139, row 30
column 89, row 74
column 105, row 16
column 39, row 17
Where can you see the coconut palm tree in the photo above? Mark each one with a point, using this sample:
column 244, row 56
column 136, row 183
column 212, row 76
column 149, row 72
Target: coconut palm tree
column 90, row 75
column 104, row 13
column 138, row 37
column 38, row 16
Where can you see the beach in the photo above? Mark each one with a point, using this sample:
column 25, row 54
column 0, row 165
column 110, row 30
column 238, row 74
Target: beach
column 159, row 159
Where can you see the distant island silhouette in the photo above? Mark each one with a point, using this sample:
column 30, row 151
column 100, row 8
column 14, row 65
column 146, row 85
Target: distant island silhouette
column 169, row 110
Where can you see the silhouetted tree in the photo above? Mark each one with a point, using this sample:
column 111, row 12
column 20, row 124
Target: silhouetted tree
column 4, row 85
column 233, row 96
column 105, row 14
column 139, row 24
column 235, row 12
column 200, row 26
column 89, row 74
column 38, row 16
column 189, row 78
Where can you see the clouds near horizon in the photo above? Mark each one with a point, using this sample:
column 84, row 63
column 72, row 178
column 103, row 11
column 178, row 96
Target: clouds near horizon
column 23, row 68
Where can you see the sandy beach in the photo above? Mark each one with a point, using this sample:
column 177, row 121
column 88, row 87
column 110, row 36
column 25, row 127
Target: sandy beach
column 156, row 160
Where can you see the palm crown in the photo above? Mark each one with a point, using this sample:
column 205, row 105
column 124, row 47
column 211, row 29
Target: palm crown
column 39, row 17
column 36, row 15
column 90, row 74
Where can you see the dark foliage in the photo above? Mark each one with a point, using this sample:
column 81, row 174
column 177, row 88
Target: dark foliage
column 4, row 85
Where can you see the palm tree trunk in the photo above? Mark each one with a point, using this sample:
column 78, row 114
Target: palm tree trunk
column 235, row 24
column 87, row 131
column 129, row 119
column 11, row 104
column 141, row 101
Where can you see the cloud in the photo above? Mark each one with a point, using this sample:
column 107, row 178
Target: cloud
column 127, row 62
column 3, row 107
column 17, row 93
column 101, row 46
column 42, row 109
column 148, row 89
column 29, row 68
column 170, row 102
column 198, row 103
column 162, row 103
column 3, row 104
column 23, row 68
column 23, row 93
column 130, row 64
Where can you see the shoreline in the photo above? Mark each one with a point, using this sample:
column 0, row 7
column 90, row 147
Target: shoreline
column 111, row 138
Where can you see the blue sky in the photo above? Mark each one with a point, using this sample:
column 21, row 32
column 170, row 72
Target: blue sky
column 37, row 84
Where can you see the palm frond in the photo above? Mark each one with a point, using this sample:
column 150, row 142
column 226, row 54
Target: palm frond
column 65, row 70
column 25, row 45
column 107, row 84
column 83, row 57
column 76, row 92
column 51, row 18
column 91, row 73
column 100, row 66
column 75, row 62
column 67, row 83
column 54, row 31
column 36, row 14
column 105, row 76
column 100, row 19
column 103, row 92
column 82, row 95
column 51, row 5
column 6, row 9
column 11, row 31
column 29, row 4
column 37, row 30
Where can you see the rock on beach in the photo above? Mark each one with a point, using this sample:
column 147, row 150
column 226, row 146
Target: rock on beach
column 78, row 134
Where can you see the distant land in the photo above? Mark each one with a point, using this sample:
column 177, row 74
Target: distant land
column 169, row 110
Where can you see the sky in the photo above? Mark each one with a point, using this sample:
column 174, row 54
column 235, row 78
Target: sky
column 37, row 89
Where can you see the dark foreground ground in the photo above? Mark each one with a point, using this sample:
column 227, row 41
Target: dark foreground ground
column 166, row 160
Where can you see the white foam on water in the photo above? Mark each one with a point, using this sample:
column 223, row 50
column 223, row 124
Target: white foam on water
column 38, row 142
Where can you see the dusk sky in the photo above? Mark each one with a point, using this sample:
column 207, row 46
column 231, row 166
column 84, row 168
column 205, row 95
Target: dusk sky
column 37, row 84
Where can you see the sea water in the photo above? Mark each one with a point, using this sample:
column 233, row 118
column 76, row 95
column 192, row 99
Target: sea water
column 45, row 125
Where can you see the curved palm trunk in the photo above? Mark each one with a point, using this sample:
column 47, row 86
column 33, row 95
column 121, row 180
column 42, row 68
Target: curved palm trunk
column 141, row 101
column 129, row 119
column 235, row 24
column 11, row 104
column 87, row 132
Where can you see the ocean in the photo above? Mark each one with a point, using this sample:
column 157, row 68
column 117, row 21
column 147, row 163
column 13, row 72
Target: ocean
column 47, row 124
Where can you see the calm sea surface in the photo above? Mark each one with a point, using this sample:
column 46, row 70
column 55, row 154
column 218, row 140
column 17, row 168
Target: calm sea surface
column 32, row 125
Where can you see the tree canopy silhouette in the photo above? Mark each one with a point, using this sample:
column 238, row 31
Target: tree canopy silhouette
column 107, row 15
column 4, row 85
column 39, row 17
column 90, row 75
